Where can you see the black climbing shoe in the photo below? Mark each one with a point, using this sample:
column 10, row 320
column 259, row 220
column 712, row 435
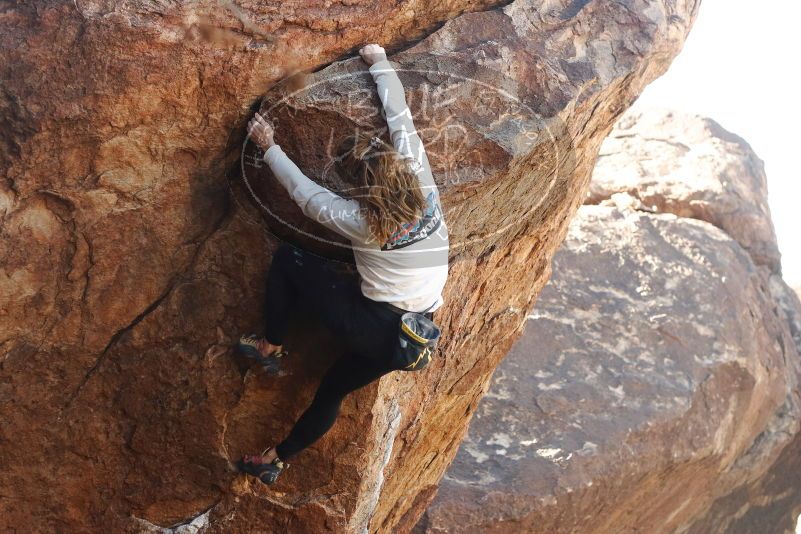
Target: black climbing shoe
column 257, row 466
column 249, row 346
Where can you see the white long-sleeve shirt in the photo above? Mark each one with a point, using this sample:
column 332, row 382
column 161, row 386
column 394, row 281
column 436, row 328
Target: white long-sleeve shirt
column 409, row 270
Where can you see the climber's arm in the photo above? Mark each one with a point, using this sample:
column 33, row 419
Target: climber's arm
column 401, row 127
column 318, row 203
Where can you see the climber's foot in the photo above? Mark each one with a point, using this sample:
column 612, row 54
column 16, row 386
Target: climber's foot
column 265, row 466
column 266, row 349
column 259, row 349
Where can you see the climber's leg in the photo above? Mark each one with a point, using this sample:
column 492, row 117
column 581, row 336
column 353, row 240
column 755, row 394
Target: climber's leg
column 336, row 299
column 298, row 277
column 347, row 374
column 280, row 295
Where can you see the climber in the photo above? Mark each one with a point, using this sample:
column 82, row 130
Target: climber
column 400, row 244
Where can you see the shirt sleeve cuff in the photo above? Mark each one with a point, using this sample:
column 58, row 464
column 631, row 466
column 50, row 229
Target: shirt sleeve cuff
column 381, row 65
column 274, row 150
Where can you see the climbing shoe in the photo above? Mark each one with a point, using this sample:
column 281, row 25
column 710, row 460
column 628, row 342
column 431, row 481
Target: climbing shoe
column 257, row 466
column 249, row 347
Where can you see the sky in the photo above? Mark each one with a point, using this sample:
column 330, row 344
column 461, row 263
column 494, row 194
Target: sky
column 740, row 67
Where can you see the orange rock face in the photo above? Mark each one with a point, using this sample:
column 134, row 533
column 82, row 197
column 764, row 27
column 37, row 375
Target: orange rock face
column 132, row 255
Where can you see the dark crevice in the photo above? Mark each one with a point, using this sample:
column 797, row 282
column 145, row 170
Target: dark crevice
column 403, row 46
column 574, row 8
column 116, row 337
column 662, row 208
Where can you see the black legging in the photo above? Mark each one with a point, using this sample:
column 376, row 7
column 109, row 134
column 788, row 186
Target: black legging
column 369, row 330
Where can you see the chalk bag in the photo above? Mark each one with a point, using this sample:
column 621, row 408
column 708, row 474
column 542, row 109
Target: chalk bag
column 417, row 340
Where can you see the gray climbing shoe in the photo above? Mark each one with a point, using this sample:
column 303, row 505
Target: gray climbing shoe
column 249, row 346
column 256, row 465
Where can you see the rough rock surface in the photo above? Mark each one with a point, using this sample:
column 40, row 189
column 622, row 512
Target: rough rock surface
column 130, row 262
column 689, row 165
column 656, row 385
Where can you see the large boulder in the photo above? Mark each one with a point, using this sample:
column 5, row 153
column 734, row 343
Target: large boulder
column 656, row 385
column 689, row 165
column 132, row 260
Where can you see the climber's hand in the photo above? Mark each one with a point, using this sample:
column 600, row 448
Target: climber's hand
column 372, row 53
column 261, row 132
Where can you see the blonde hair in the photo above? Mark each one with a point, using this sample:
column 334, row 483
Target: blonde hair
column 389, row 190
